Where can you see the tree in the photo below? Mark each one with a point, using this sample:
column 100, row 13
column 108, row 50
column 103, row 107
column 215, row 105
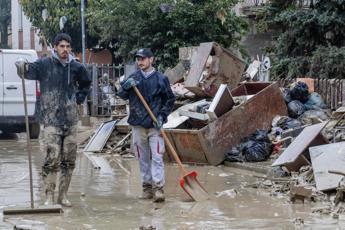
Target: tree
column 49, row 27
column 165, row 25
column 5, row 20
column 312, row 39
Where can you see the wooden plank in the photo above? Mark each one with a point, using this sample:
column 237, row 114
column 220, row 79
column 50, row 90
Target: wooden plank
column 324, row 158
column 333, row 93
column 338, row 92
column 316, row 86
column 198, row 65
column 343, row 92
column 299, row 145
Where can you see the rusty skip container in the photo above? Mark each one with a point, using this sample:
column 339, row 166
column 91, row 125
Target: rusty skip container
column 210, row 143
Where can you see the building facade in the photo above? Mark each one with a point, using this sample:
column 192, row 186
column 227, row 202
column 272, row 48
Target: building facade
column 23, row 34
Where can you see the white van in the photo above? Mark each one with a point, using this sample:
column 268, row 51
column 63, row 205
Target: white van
column 12, row 116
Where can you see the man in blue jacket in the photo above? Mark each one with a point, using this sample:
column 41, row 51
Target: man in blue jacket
column 64, row 83
column 148, row 143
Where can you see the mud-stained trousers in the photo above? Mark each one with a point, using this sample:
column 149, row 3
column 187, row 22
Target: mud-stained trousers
column 149, row 148
column 60, row 145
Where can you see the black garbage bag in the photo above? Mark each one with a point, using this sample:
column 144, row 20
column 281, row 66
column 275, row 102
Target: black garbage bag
column 234, row 155
column 295, row 109
column 254, row 151
column 259, row 135
column 300, row 92
column 315, row 101
column 286, row 95
column 288, row 123
column 256, row 147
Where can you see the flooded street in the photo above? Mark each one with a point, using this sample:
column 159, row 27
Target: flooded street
column 107, row 198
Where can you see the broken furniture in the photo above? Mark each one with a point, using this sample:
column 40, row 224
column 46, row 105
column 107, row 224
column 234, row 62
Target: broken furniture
column 325, row 158
column 296, row 155
column 209, row 143
column 212, row 66
column 221, row 103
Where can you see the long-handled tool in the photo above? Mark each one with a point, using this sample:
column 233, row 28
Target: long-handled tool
column 31, row 209
column 188, row 181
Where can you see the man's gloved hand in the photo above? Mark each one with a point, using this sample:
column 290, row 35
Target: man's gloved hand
column 22, row 66
column 160, row 122
column 129, row 83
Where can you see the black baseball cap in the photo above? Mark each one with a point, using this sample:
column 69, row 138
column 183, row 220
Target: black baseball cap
column 144, row 52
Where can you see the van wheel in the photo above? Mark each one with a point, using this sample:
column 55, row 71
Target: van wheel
column 34, row 131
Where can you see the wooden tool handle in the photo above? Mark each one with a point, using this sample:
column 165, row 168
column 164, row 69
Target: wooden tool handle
column 166, row 139
column 336, row 172
column 28, row 143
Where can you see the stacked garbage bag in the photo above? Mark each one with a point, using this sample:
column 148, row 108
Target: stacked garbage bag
column 256, row 147
column 303, row 106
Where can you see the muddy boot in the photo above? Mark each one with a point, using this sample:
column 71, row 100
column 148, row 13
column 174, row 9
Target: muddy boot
column 49, row 198
column 147, row 191
column 65, row 180
column 49, row 187
column 158, row 194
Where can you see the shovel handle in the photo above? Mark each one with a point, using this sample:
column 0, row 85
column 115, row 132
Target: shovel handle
column 336, row 172
column 166, row 139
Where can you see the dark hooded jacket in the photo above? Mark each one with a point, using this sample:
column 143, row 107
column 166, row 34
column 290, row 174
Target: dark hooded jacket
column 61, row 86
column 157, row 92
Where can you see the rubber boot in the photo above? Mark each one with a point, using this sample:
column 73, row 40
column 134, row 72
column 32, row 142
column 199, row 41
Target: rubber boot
column 158, row 194
column 65, row 180
column 147, row 191
column 49, row 188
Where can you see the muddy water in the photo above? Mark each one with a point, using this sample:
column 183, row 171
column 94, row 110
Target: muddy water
column 108, row 199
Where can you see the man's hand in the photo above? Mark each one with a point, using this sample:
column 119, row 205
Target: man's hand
column 159, row 124
column 129, row 83
column 22, row 66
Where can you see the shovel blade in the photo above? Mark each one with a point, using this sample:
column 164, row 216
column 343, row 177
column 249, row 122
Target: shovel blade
column 193, row 188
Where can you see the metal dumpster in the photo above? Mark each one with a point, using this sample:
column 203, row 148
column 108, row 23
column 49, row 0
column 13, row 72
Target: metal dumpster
column 210, row 143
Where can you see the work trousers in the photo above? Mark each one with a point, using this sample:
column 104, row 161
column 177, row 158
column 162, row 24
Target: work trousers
column 60, row 145
column 149, row 148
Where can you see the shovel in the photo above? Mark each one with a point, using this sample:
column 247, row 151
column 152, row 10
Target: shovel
column 188, row 180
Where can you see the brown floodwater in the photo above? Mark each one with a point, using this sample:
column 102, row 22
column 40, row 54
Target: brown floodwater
column 107, row 198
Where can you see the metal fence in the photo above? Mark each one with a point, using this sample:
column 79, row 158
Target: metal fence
column 102, row 95
column 332, row 91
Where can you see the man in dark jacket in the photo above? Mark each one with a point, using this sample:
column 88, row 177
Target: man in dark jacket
column 64, row 83
column 148, row 143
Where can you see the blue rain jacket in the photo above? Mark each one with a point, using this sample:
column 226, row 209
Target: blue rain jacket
column 157, row 93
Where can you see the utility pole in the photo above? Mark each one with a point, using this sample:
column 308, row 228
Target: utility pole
column 82, row 8
column 85, row 119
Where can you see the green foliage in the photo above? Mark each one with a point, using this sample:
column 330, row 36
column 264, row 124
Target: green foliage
column 50, row 27
column 165, row 25
column 123, row 26
column 328, row 62
column 5, row 20
column 307, row 36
